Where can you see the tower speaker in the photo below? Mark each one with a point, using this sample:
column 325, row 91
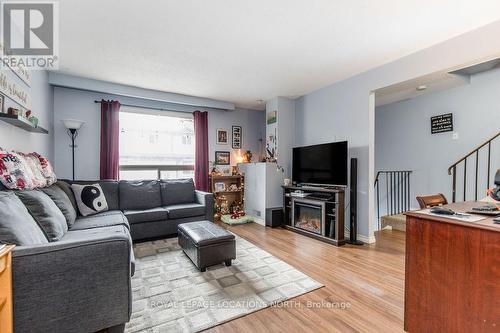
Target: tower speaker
column 353, row 214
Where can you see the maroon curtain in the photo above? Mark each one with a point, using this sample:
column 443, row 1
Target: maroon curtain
column 110, row 134
column 201, row 150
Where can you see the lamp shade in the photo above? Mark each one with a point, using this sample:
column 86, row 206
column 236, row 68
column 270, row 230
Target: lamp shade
column 72, row 123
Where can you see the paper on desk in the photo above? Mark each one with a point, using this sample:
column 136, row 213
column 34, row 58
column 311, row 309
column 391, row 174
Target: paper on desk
column 463, row 218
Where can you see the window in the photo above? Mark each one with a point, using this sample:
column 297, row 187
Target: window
column 156, row 145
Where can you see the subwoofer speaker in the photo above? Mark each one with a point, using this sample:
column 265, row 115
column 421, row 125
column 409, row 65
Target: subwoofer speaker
column 274, row 217
column 353, row 213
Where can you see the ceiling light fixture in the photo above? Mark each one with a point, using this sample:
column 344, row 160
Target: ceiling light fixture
column 422, row 87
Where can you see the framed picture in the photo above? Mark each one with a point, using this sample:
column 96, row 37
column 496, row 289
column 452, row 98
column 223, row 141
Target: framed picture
column 236, row 137
column 219, row 187
column 222, row 158
column 1, row 103
column 271, row 117
column 222, row 137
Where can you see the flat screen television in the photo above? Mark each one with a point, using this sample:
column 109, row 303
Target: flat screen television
column 324, row 164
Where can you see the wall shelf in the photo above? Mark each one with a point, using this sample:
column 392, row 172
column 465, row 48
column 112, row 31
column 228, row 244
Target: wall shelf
column 22, row 122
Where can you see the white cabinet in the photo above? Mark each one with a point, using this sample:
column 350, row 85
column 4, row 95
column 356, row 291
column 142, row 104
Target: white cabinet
column 262, row 189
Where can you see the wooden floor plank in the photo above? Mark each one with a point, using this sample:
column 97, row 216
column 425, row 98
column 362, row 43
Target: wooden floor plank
column 369, row 278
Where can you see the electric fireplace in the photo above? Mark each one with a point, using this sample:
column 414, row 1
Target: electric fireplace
column 309, row 215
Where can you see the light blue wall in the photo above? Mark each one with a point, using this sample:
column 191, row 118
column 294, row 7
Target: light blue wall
column 403, row 139
column 14, row 138
column 345, row 109
column 78, row 104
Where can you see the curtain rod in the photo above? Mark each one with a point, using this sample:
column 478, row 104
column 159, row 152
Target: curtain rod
column 145, row 107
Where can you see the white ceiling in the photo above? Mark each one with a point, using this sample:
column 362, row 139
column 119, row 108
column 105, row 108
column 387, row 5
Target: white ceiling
column 243, row 51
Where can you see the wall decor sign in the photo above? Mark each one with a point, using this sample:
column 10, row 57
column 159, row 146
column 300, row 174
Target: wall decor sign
column 442, row 123
column 222, row 158
column 14, row 92
column 272, row 117
column 236, row 137
column 222, row 137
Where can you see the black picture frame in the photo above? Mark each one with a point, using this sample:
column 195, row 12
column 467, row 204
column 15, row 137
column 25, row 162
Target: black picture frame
column 222, row 158
column 236, row 137
column 442, row 123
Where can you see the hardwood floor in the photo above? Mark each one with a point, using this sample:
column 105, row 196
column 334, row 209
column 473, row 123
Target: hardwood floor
column 369, row 278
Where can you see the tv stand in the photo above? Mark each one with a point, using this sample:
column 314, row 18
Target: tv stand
column 316, row 211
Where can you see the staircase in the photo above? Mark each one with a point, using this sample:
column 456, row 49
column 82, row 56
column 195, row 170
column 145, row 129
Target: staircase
column 472, row 183
column 394, row 188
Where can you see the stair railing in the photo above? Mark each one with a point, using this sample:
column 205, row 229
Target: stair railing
column 452, row 170
column 397, row 188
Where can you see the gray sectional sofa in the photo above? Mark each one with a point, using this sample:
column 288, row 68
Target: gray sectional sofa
column 76, row 278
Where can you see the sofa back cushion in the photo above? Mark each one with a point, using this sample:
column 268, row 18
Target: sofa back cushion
column 62, row 202
column 109, row 188
column 178, row 191
column 139, row 194
column 45, row 212
column 66, row 187
column 17, row 226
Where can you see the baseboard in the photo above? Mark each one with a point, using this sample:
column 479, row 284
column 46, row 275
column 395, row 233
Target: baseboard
column 365, row 239
column 258, row 220
column 362, row 238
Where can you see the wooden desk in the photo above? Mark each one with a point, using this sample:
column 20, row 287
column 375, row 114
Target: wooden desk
column 452, row 281
column 6, row 290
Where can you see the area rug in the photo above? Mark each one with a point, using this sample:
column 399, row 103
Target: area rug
column 171, row 295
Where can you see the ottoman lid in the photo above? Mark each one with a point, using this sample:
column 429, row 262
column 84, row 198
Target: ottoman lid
column 205, row 233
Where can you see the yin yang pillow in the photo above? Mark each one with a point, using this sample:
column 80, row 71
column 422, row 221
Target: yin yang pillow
column 90, row 199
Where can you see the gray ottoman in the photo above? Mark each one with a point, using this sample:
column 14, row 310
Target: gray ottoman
column 206, row 244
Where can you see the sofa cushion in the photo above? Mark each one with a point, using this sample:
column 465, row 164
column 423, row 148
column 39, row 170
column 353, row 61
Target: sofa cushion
column 17, row 226
column 104, row 219
column 66, row 187
column 93, row 233
column 62, row 201
column 147, row 215
column 45, row 212
column 185, row 210
column 90, row 199
column 109, row 188
column 179, row 191
column 139, row 195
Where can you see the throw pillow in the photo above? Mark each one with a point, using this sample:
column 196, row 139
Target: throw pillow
column 17, row 226
column 13, row 172
column 90, row 199
column 62, row 201
column 45, row 212
column 46, row 169
column 34, row 170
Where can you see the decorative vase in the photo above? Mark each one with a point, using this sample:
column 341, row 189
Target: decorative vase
column 33, row 120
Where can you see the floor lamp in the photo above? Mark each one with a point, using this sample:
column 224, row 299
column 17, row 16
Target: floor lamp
column 72, row 128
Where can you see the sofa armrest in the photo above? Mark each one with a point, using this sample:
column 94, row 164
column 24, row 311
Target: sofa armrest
column 72, row 286
column 206, row 199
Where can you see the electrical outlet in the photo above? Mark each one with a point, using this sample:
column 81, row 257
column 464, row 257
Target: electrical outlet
column 455, row 136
